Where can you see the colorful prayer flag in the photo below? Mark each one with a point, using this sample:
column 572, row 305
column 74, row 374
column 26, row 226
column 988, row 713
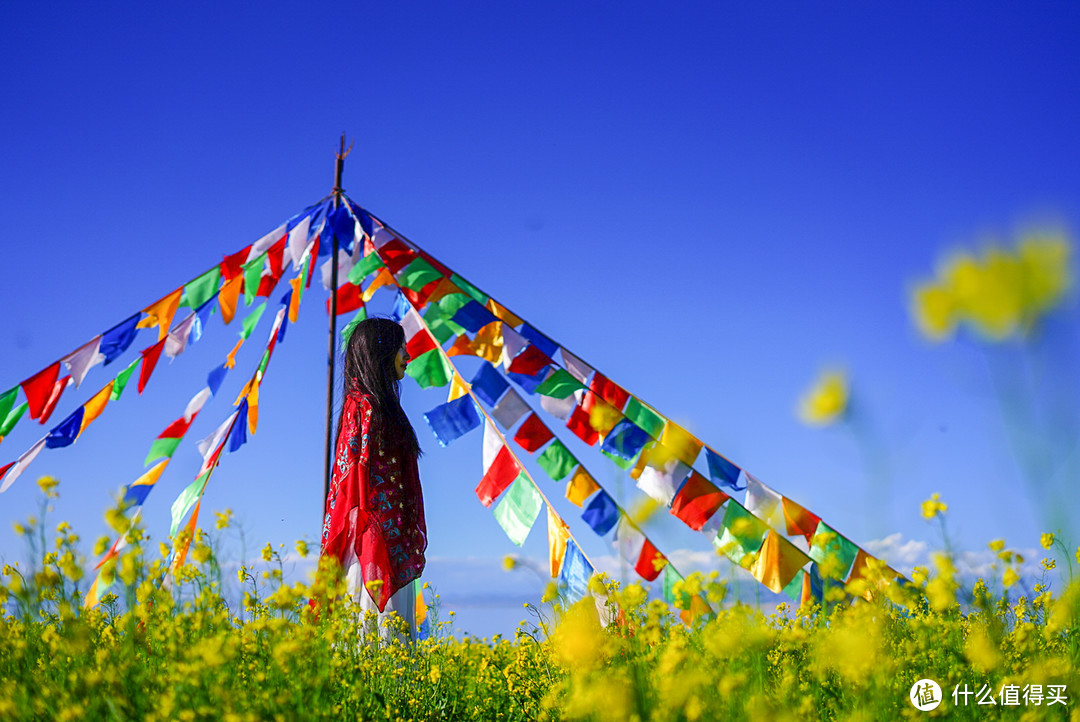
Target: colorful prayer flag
column 429, row 369
column 117, row 339
column 697, row 501
column 517, row 511
column 12, row 471
column 509, row 409
column 575, row 575
column 663, row 483
column 558, row 534
column 500, row 467
column 80, row 361
column 644, row 417
column 559, row 385
column 150, row 358
column 557, row 460
column 579, row 425
column 834, row 553
column 161, row 313
column 39, row 388
column 722, row 471
column 764, row 503
column 529, row 362
column 625, row 440
column 778, row 561
column 581, row 486
column 798, row 520
column 489, row 384
column 136, row 492
column 601, row 514
column 532, row 434
column 452, row 420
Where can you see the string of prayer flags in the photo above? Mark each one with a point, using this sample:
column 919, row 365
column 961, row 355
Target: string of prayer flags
column 663, row 483
column 558, row 535
column 643, row 417
column 473, row 316
column 532, row 434
column 722, row 471
column 453, row 419
column 635, row 548
column 81, row 360
column 764, row 503
column 697, row 501
column 161, row 312
column 601, row 514
column 581, row 486
column 500, row 467
column 575, row 574
column 150, row 356
column 39, row 388
column 518, row 509
column 474, row 292
column 488, row 384
column 798, row 520
column 557, row 461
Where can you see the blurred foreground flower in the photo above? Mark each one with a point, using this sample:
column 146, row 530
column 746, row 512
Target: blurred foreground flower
column 933, row 506
column 826, row 401
column 1000, row 294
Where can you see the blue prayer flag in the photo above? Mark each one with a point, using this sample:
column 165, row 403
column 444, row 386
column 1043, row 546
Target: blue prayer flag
column 136, row 495
column 202, row 316
column 238, row 433
column 601, row 513
column 215, row 378
column 489, row 384
column 625, row 440
column 65, row 433
column 472, row 317
column 528, row 384
column 575, row 574
column 723, row 471
column 453, row 419
column 285, row 301
column 539, row 340
column 401, row 307
column 116, row 340
column 343, row 226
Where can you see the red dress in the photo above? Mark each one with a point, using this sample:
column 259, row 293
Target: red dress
column 375, row 509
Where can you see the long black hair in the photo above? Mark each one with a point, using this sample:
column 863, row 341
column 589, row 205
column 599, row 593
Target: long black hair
column 369, row 369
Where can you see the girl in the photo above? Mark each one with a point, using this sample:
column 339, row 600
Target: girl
column 374, row 525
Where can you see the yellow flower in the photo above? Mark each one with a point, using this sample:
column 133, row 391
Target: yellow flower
column 1045, row 263
column 223, row 518
column 1048, row 564
column 47, row 484
column 1010, row 578
column 374, row 586
column 997, row 545
column 509, row 563
column 551, row 593
column 1047, row 540
column 301, row 548
column 933, row 506
column 826, row 401
column 935, row 311
column 267, row 552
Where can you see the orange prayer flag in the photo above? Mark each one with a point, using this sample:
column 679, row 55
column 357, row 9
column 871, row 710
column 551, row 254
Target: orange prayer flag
column 182, row 549
column 458, row 387
column 558, row 533
column 93, row 408
column 799, row 521
column 383, row 278
column 502, row 313
column 778, row 562
column 294, row 299
column 581, row 486
column 681, row 442
column 462, row 346
column 230, row 358
column 229, row 297
column 253, row 408
column 444, row 288
column 488, row 343
column 161, row 313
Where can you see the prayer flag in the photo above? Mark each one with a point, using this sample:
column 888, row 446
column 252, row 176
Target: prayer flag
column 581, row 486
column 644, row 417
column 95, row 406
column 625, row 440
column 458, row 387
column 263, row 244
column 559, row 408
column 252, row 320
column 601, row 514
column 54, row 398
column 602, row 415
column 150, row 358
column 608, row 391
column 80, row 361
column 472, row 317
column 576, row 367
column 509, row 409
column 238, row 433
column 382, row 278
column 418, row 274
column 670, row 577
column 202, row 289
column 477, row 295
column 798, row 520
column 545, row 344
column 578, row 423
column 420, row 343
column 559, row 385
column 532, row 434
column 500, row 467
column 517, row 511
column 396, row 255
column 452, row 420
column 764, row 503
column 121, row 380
column 228, row 297
column 442, row 289
column 348, row 299
column 187, row 499
column 513, row 344
column 680, row 442
column 347, row 332
column 833, row 553
column 529, row 362
column 723, row 471
column 662, row 483
column 232, row 266
column 557, row 461
column 215, row 378
column 489, row 384
column 196, row 403
column 297, row 241
column 742, row 534
column 66, row 431
column 502, row 313
column 528, row 384
column 39, row 388
column 12, row 418
column 177, row 339
column 167, row 441
column 558, row 534
column 117, row 339
column 211, row 445
column 367, row 265
column 7, row 400
column 429, row 369
column 161, row 313
column 697, row 501
column 575, row 574
column 628, row 540
column 778, row 561
column 14, row 470
column 136, row 492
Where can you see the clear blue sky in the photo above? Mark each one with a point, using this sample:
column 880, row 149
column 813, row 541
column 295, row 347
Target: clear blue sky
column 708, row 202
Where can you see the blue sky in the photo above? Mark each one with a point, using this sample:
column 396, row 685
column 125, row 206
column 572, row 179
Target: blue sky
column 708, row 202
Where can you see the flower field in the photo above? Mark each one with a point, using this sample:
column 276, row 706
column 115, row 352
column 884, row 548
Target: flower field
column 155, row 653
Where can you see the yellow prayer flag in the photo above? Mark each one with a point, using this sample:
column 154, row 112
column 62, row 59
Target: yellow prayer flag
column 161, row 313
column 229, row 297
column 243, row 392
column 558, row 533
column 501, row 313
column 253, row 408
column 681, row 442
column 778, row 562
column 152, row 474
column 458, row 387
column 92, row 595
column 185, row 540
column 581, row 486
column 488, row 343
column 294, row 299
column 381, row 279
column 603, row 416
column 93, row 408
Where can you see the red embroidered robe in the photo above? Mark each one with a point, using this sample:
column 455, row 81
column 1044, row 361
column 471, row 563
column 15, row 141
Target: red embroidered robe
column 375, row 507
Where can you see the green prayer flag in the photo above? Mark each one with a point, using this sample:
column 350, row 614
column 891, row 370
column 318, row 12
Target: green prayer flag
column 418, row 274
column 476, row 293
column 450, row 305
column 827, row 545
column 12, row 418
column 202, row 289
column 121, row 380
column 646, row 419
column 7, row 401
column 794, row 587
column 367, row 265
column 557, row 460
column 186, row 500
column 670, row 577
column 346, row 333
column 436, row 320
column 161, row 448
column 262, row 365
column 430, row 369
column 623, row 464
column 252, row 273
column 743, row 532
column 251, row 320
column 517, row 511
column 559, row 385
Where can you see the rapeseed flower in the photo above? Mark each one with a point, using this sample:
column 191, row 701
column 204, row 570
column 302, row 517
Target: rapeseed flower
column 933, row 506
column 826, row 401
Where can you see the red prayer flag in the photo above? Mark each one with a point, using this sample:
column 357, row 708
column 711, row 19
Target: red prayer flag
column 267, row 283
column 396, row 255
column 650, row 562
column 54, row 398
column 420, row 343
column 311, row 263
column 579, row 424
column 176, row 429
column 529, row 361
column 150, row 358
column 532, row 434
column 39, row 387
column 276, row 255
column 697, row 501
column 609, row 391
column 798, row 520
column 349, row 298
column 4, row 470
column 500, row 475
column 233, row 266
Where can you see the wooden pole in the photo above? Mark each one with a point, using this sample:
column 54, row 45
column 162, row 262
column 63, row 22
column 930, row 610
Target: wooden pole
column 339, row 166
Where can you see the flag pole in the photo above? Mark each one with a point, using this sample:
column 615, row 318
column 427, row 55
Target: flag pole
column 339, row 166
